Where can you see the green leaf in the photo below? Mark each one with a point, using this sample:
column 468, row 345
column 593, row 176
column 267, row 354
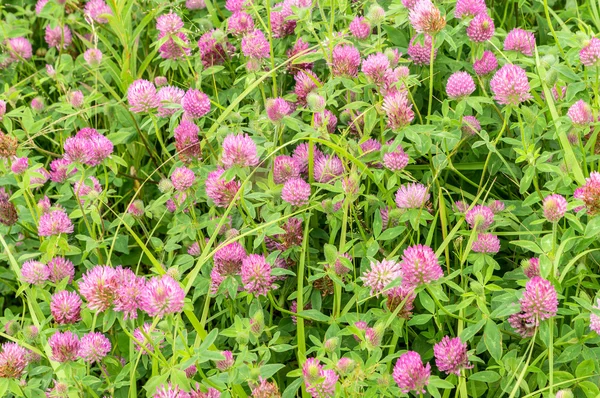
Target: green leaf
column 427, row 301
column 292, row 388
column 267, row 371
column 569, row 354
column 316, row 315
column 592, row 228
column 585, row 368
column 493, row 339
column 486, row 376
column 527, row 245
column 471, row 331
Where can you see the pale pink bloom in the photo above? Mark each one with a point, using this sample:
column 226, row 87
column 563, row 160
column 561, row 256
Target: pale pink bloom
column 460, row 85
column 590, row 53
column 486, row 64
column 360, row 28
column 420, row 266
column 239, row 150
column 521, row 41
column 510, row 85
column 481, row 28
column 419, row 50
column 412, row 196
column 381, row 274
column 425, row 17
column 410, row 374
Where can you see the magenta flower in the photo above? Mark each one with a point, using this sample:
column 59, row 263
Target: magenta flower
column 88, row 147
column 521, row 41
column 3, row 111
column 412, row 196
column 37, row 104
column 99, row 287
column 589, row 193
column 410, row 374
column 595, row 319
column 460, row 85
column 590, row 53
column 398, row 110
column 19, row 165
column 300, row 155
column 155, row 337
column 325, row 119
column 510, row 85
column 470, row 126
column 300, row 47
column 306, row 82
column 19, row 48
column 284, row 168
column 381, row 274
column 60, row 268
column 255, row 45
column 319, row 382
column 280, row 24
column 419, row 50
column 469, row 8
column 296, row 191
column 59, row 37
column 65, row 307
column 327, row 168
column 35, row 272
column 425, row 17
column 345, row 61
column 213, row 49
column 97, row 10
column 396, row 296
column 451, row 355
column 225, row 364
column 227, row 262
column 486, row 243
column 142, row 96
column 256, row 275
column 93, row 57
column 531, row 267
column 539, row 301
column 59, row 168
column 239, row 150
column 580, row 114
column 486, row 64
column 75, row 98
column 496, row 206
column 420, row 266
column 481, row 28
column 169, row 96
column 93, row 347
column 277, row 109
column 370, row 145
column 13, row 360
column 187, row 142
column 376, row 67
column 195, row 103
column 64, row 345
column 221, row 192
column 395, row 160
column 161, row 296
column 360, row 28
column 480, row 218
column 240, row 23
column 55, row 222
column 169, row 23
column 555, row 207
column 129, row 292
column 39, row 6
column 183, row 178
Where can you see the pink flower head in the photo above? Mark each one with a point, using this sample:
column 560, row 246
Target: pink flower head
column 169, row 24
column 496, row 206
column 19, row 48
column 256, row 275
column 277, row 109
column 281, row 26
column 99, row 287
column 88, row 147
column 183, row 178
column 222, row 192
column 169, row 96
column 370, row 145
column 589, row 193
column 395, row 160
column 470, row 126
column 425, row 17
column 480, row 218
column 345, row 61
column 469, row 8
column 486, row 64
column 129, row 292
column 590, row 53
column 213, row 48
column 19, row 165
column 64, row 345
column 451, row 355
column 142, row 96
column 376, row 68
column 187, row 142
column 539, row 301
column 35, row 272
column 420, row 266
column 65, row 307
column 225, row 364
column 161, row 296
column 486, row 243
column 235, row 5
column 595, row 319
column 398, row 109
column 510, row 85
column 13, row 360
column 284, row 168
column 59, row 168
column 319, row 382
column 419, row 50
column 240, row 23
column 39, row 6
column 155, row 337
column 381, row 274
column 306, row 82
column 255, row 45
column 580, row 114
column 296, row 191
column 300, row 47
column 97, row 10
column 410, row 374
column 239, row 150
column 300, row 155
column 227, row 262
column 460, row 85
column 327, row 168
column 93, row 56
column 555, row 207
column 59, row 37
column 325, row 119
column 481, row 28
column 93, row 347
column 412, row 196
column 55, row 222
column 37, row 104
column 531, row 267
column 194, row 249
column 521, row 41
column 75, row 98
column 397, row 296
column 360, row 28
column 409, row 3
column 195, row 103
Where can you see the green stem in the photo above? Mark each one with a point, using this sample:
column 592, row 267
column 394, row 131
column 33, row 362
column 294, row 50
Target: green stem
column 498, row 137
column 551, row 351
column 431, row 57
